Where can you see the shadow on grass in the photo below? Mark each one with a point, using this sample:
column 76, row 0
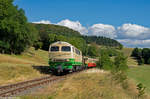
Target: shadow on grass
column 42, row 69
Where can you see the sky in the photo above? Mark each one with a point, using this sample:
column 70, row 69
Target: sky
column 127, row 21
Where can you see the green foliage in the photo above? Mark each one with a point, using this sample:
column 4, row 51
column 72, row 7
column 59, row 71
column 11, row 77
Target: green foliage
column 118, row 67
column 103, row 41
column 93, row 50
column 110, row 51
column 37, row 45
column 119, row 70
column 141, row 61
column 52, row 33
column 141, row 89
column 105, row 62
column 142, row 55
column 16, row 34
column 136, row 53
column 148, row 61
column 120, row 63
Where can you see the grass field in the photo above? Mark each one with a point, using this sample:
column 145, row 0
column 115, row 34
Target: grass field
column 86, row 85
column 15, row 68
column 141, row 74
column 131, row 61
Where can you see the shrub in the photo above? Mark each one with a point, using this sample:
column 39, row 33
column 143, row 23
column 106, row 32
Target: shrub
column 141, row 61
column 148, row 61
column 141, row 89
column 105, row 62
column 120, row 63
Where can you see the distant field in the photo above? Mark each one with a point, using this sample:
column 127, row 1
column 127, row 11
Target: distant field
column 141, row 74
column 15, row 68
column 131, row 61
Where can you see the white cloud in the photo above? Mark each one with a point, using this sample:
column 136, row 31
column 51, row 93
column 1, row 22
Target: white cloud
column 43, row 22
column 135, row 43
column 102, row 30
column 133, row 31
column 75, row 25
column 130, row 35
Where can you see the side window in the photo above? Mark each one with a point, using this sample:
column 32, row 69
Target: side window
column 66, row 48
column 73, row 49
column 77, row 51
column 54, row 48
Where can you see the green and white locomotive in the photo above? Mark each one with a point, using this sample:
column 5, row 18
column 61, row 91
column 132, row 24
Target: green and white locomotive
column 64, row 57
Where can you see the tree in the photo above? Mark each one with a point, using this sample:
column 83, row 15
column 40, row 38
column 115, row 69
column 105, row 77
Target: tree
column 93, row 50
column 146, row 54
column 105, row 62
column 148, row 61
column 136, row 53
column 120, row 63
column 15, row 31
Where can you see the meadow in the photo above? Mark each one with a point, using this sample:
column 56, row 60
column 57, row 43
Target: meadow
column 16, row 68
column 141, row 74
column 137, row 73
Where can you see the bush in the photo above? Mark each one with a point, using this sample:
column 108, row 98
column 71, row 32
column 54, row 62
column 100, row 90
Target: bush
column 37, row 45
column 148, row 61
column 141, row 89
column 105, row 62
column 141, row 61
column 120, row 63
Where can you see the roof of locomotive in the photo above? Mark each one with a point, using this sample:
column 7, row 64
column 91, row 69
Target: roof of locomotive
column 61, row 42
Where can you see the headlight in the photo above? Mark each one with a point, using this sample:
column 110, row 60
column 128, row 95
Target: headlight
column 67, row 60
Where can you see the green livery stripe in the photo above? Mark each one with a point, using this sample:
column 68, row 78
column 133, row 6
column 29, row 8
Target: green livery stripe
column 65, row 65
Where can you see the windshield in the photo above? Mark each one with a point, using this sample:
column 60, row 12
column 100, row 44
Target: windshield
column 65, row 48
column 54, row 48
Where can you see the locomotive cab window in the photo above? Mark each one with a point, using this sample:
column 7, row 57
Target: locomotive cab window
column 54, row 48
column 77, row 51
column 66, row 48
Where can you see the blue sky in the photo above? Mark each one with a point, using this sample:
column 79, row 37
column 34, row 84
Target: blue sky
column 95, row 17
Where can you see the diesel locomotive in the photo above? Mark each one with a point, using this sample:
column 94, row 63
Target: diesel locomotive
column 64, row 57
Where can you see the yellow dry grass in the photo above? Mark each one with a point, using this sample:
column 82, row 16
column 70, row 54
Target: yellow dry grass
column 16, row 68
column 86, row 85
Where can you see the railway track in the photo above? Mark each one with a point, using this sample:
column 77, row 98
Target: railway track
column 15, row 89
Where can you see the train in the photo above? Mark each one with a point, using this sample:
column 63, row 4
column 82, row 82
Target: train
column 64, row 57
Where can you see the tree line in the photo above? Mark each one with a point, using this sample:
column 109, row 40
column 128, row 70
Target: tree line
column 103, row 41
column 142, row 55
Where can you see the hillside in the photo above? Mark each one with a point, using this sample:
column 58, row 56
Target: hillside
column 90, row 84
column 102, row 41
column 50, row 33
column 28, row 65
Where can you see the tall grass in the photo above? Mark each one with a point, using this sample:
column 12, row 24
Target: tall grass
column 87, row 85
column 15, row 68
